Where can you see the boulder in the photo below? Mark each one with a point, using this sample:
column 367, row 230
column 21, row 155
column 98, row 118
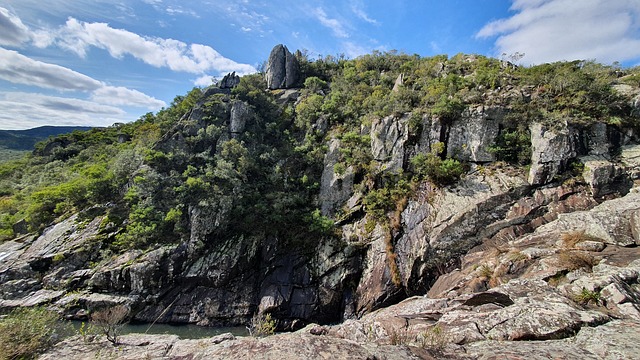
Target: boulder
column 398, row 83
column 604, row 177
column 240, row 114
column 20, row 227
column 551, row 151
column 283, row 70
column 630, row 156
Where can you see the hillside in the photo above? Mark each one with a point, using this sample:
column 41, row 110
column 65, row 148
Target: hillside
column 15, row 143
column 331, row 190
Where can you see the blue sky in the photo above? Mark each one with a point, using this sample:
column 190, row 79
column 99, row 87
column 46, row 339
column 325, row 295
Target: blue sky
column 96, row 62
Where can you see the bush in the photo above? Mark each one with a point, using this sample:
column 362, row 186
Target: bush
column 434, row 338
column 110, row 320
column 432, row 166
column 586, row 296
column 262, row 325
column 314, row 84
column 513, row 146
column 25, row 332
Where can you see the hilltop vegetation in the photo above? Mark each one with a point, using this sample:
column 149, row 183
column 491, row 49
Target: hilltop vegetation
column 269, row 175
column 16, row 143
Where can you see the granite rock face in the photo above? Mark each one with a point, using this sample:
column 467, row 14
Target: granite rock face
column 229, row 81
column 283, row 70
column 551, row 152
column 469, row 139
column 389, row 136
column 335, row 187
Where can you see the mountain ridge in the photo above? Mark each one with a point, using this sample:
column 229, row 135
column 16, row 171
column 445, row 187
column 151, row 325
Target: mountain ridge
column 26, row 139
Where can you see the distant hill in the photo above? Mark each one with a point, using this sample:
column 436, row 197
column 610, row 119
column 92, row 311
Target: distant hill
column 24, row 140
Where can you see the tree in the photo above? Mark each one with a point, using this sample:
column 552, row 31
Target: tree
column 110, row 321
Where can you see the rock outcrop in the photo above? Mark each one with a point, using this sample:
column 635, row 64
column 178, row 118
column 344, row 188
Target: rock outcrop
column 229, row 81
column 283, row 70
column 480, row 265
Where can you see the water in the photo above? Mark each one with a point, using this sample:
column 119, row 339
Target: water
column 183, row 331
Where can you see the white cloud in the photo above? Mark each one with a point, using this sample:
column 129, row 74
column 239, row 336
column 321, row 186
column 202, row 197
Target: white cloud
column 353, row 50
column 203, row 81
column 553, row 30
column 179, row 10
column 121, row 96
column 19, row 69
column 27, row 110
column 12, row 31
column 78, row 36
column 357, row 7
column 333, row 24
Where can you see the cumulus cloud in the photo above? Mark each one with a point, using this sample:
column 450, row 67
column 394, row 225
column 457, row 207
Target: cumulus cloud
column 27, row 110
column 79, row 36
column 12, row 31
column 336, row 26
column 19, row 69
column 203, row 81
column 554, row 30
column 176, row 55
column 121, row 96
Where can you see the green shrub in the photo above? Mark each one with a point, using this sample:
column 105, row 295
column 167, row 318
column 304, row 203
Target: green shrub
column 314, row 84
column 439, row 171
column 320, row 224
column 586, row 296
column 434, row 338
column 25, row 332
column 262, row 325
column 513, row 146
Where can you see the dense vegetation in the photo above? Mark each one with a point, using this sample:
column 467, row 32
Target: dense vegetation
column 27, row 332
column 15, row 144
column 147, row 176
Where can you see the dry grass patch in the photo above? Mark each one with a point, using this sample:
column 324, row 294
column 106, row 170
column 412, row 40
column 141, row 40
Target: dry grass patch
column 574, row 260
column 570, row 239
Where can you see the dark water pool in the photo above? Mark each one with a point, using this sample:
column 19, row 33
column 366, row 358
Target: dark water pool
column 184, row 331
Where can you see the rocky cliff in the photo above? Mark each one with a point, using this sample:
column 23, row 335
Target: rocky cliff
column 282, row 206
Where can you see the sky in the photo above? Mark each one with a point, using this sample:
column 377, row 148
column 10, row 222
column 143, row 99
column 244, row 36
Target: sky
column 98, row 62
